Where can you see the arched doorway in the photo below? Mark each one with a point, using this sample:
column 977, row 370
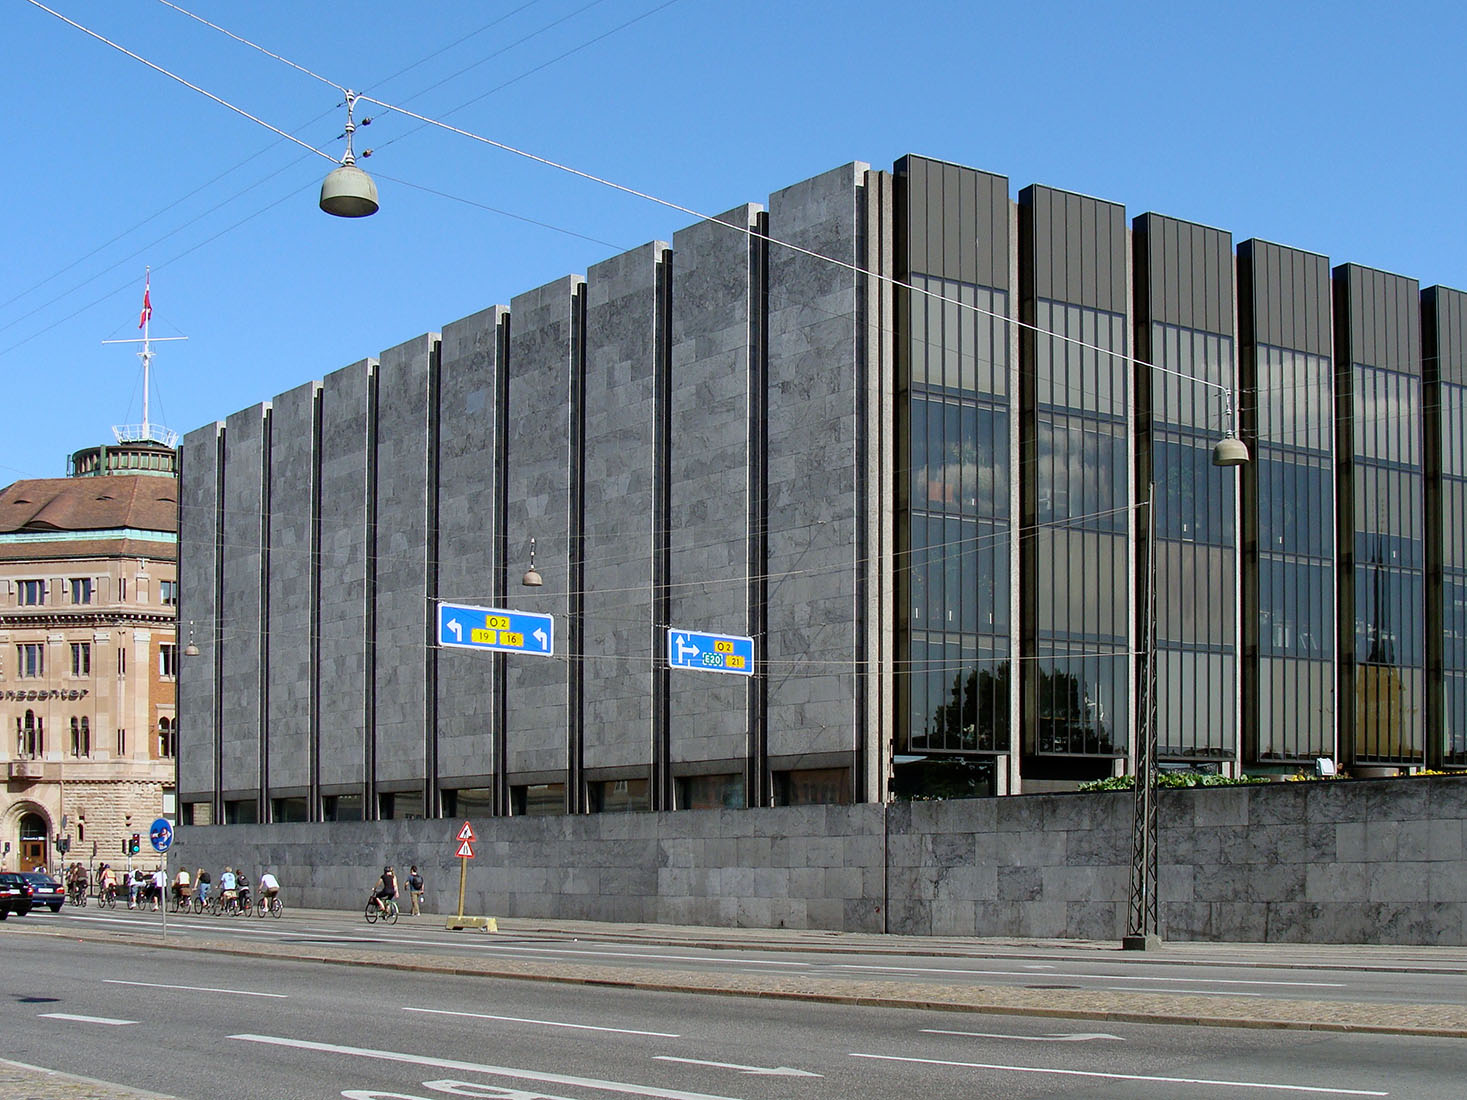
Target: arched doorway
column 32, row 841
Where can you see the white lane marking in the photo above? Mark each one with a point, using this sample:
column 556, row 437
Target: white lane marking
column 644, row 956
column 193, row 988
column 543, row 1023
column 1058, row 1037
column 476, row 1067
column 757, row 1071
column 1088, row 977
column 108, row 1020
column 1184, row 993
column 1126, row 1076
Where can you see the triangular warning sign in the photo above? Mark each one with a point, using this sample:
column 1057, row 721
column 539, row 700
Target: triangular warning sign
column 465, row 851
column 466, row 833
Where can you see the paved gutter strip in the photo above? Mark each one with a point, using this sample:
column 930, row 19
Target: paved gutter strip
column 1433, row 1020
column 20, row 1081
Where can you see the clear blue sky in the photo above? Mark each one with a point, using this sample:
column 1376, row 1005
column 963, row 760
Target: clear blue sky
column 1331, row 127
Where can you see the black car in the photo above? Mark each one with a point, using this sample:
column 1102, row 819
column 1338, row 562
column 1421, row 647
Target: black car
column 45, row 890
column 15, row 895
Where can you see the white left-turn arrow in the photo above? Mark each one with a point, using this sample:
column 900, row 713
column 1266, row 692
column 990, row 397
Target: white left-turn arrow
column 757, row 1071
column 457, row 628
column 541, row 637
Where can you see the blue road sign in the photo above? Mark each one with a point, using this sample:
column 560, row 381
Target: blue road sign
column 493, row 628
column 161, row 834
column 710, row 652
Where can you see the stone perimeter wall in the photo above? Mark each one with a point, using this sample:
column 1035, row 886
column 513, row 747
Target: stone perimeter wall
column 1331, row 862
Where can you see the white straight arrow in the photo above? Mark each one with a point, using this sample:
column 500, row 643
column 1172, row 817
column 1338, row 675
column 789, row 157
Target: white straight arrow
column 457, row 628
column 757, row 1071
column 684, row 650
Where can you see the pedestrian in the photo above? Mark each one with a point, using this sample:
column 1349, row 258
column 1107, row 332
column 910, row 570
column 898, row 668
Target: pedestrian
column 415, row 888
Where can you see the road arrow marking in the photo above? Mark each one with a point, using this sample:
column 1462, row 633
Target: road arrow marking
column 457, row 628
column 757, row 1071
column 1060, row 1037
column 423, row 1060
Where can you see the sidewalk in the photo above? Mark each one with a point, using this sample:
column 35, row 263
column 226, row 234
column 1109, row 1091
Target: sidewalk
column 19, row 1081
column 1439, row 1020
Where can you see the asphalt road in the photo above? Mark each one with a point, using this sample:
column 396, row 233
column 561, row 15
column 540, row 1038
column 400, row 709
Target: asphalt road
column 1223, row 971
column 197, row 1026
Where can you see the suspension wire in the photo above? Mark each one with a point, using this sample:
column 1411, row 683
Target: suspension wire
column 187, row 84
column 253, row 45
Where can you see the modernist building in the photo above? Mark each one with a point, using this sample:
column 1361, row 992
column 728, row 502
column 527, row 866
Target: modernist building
column 88, row 654
column 927, row 445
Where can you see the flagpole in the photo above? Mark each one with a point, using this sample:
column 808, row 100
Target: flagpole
column 147, row 352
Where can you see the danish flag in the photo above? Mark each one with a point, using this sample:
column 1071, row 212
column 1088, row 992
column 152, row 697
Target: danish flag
column 147, row 313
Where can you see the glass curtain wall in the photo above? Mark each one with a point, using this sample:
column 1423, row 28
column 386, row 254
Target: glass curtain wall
column 1444, row 420
column 954, row 525
column 1195, row 570
column 958, row 605
column 1293, row 453
column 1453, row 414
column 1082, row 513
column 1378, row 349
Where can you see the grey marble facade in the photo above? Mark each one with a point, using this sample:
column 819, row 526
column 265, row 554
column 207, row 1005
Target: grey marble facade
column 291, row 621
column 406, row 395
column 815, row 460
column 346, row 402
column 623, row 319
column 241, row 608
column 714, row 342
column 545, row 361
column 471, row 379
column 198, row 682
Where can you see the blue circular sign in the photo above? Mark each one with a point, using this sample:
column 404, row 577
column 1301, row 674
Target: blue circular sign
column 161, row 834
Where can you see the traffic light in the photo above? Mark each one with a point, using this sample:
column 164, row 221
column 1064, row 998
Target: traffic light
column 135, row 845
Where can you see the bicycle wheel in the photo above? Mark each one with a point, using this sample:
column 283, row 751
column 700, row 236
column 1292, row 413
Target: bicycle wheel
column 391, row 915
column 276, row 907
column 372, row 912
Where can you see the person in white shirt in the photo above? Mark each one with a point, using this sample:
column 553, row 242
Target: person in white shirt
column 160, row 880
column 182, row 886
column 269, row 886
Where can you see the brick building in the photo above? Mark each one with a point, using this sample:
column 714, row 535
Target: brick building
column 88, row 654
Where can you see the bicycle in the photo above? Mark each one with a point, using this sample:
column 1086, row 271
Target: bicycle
column 273, row 906
column 386, row 912
column 76, row 894
column 107, row 897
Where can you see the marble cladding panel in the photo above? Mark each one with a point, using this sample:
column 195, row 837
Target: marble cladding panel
column 948, row 870
column 345, row 436
column 401, row 557
column 289, row 621
column 198, row 499
column 618, row 481
column 814, row 382
column 542, row 360
column 469, row 376
column 241, row 601
column 712, row 333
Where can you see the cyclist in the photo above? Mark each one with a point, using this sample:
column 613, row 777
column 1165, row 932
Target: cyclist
column 269, row 888
column 159, row 884
column 203, row 881
column 182, row 887
column 104, row 882
column 386, row 888
column 227, row 887
column 242, row 885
